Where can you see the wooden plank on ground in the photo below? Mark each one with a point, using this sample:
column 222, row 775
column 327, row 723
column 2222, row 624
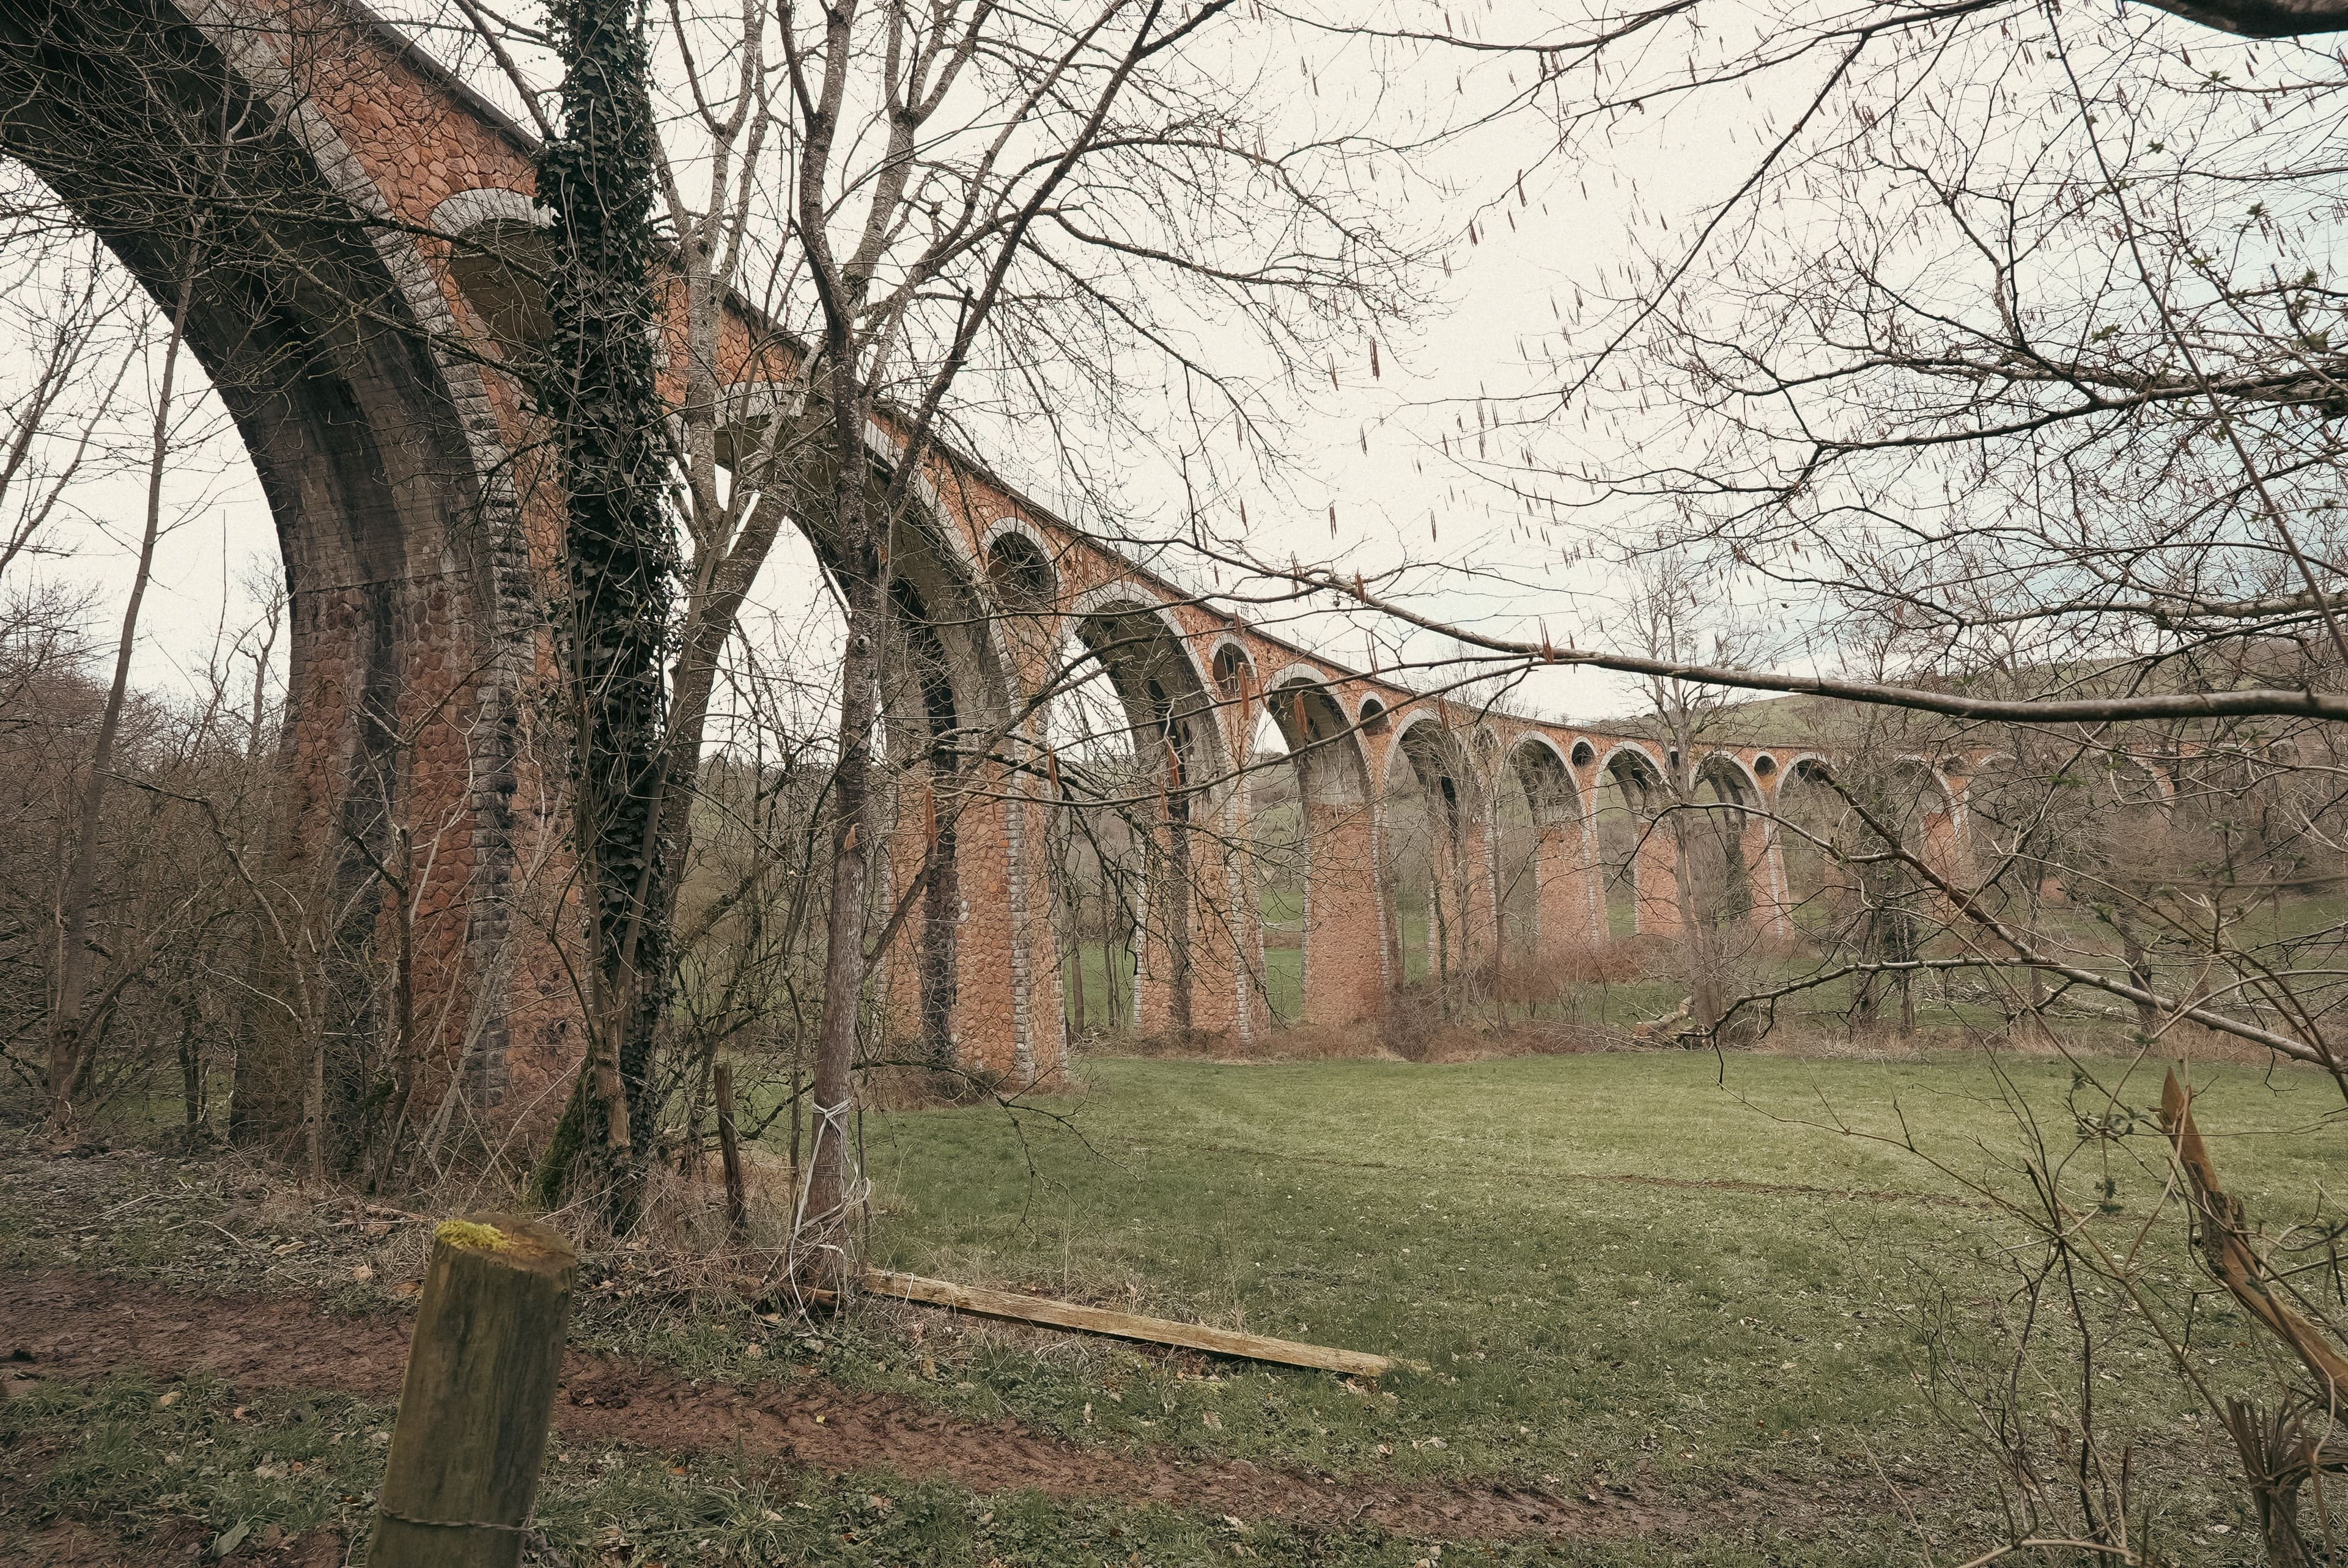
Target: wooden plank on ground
column 1129, row 1325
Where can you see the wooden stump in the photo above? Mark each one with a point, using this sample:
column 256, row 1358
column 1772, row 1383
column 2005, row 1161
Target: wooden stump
column 482, row 1369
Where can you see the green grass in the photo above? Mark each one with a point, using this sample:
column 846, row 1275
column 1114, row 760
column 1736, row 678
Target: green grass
column 1540, row 1230
column 214, row 1473
column 1283, row 982
column 222, row 1469
column 1094, row 959
column 1412, row 920
column 1479, row 1217
column 1622, row 910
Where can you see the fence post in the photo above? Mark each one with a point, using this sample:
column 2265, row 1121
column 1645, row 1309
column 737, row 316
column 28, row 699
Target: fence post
column 482, row 1369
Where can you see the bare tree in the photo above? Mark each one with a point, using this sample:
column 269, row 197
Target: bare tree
column 68, row 1007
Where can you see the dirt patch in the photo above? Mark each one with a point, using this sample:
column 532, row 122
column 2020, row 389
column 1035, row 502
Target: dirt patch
column 75, row 1327
column 69, row 1544
column 74, row 1546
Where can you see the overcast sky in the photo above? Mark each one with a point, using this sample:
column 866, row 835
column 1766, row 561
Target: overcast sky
column 1579, row 219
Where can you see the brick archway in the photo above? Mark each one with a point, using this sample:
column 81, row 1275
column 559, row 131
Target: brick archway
column 1564, row 892
column 1345, row 970
column 381, row 455
column 1195, row 915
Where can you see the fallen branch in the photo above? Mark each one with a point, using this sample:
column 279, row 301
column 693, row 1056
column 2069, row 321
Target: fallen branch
column 1129, row 1325
column 2226, row 1250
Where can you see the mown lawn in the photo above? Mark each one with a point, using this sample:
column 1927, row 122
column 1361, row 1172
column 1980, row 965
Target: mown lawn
column 1521, row 1224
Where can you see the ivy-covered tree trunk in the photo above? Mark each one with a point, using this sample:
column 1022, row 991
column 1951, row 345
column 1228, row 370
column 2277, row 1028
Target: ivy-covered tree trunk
column 599, row 394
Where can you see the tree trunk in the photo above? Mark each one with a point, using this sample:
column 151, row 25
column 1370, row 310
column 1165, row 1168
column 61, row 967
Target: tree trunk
column 1438, row 942
column 720, row 588
column 191, row 1065
column 2038, row 976
column 831, row 1182
column 799, row 1087
column 729, row 1149
column 2278, row 1458
column 941, row 918
column 1699, row 906
column 599, row 392
column 2139, row 968
column 1174, row 906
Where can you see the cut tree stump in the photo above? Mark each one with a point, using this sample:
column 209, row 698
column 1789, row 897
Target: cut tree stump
column 1130, row 1325
column 483, row 1369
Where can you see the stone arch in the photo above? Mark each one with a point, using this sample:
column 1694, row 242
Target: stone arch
column 2032, row 822
column 1922, row 777
column 1233, row 669
column 965, row 754
column 1332, row 844
column 1636, row 763
column 1544, row 891
column 1731, row 776
column 1632, row 852
column 1542, row 771
column 923, row 708
column 1925, row 808
column 1815, row 760
column 381, row 458
column 1435, row 754
column 1196, row 906
column 1149, row 660
column 1017, row 571
column 747, row 411
column 1021, row 577
column 1898, row 904
column 1332, row 767
column 497, row 258
column 1810, row 815
column 1728, row 875
column 1434, row 858
column 1484, row 749
column 973, row 976
column 959, row 692
column 488, row 206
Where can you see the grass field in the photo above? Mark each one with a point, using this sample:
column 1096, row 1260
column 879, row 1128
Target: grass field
column 1716, row 1299
column 1522, row 1226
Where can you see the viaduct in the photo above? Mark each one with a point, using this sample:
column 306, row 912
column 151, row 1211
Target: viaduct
column 363, row 367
